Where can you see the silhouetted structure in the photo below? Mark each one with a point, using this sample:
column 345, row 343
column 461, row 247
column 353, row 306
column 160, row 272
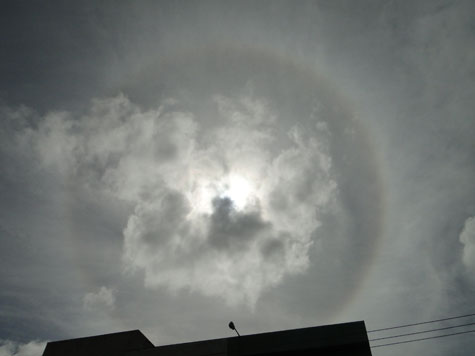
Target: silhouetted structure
column 335, row 340
column 117, row 344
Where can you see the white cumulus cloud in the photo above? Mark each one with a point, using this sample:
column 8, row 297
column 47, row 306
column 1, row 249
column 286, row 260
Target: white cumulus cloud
column 225, row 209
column 12, row 348
column 104, row 297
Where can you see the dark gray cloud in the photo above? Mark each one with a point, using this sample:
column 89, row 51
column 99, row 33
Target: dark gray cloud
column 231, row 229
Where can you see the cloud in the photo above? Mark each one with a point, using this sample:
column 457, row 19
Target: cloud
column 12, row 348
column 210, row 196
column 103, row 298
column 230, row 229
column 467, row 238
column 226, row 210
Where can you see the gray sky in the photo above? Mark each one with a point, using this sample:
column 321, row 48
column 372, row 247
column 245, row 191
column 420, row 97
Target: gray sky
column 172, row 166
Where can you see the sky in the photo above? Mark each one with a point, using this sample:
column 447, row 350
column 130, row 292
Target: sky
column 172, row 166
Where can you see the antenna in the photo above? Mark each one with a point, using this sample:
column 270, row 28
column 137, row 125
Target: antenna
column 233, row 327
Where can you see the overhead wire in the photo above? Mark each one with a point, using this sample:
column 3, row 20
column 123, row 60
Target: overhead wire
column 425, row 338
column 421, row 323
column 421, row 332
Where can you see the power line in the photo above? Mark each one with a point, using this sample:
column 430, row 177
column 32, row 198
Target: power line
column 421, row 332
column 425, row 338
column 421, row 323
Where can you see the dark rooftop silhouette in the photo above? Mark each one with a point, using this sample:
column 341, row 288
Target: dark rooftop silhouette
column 116, row 344
column 338, row 339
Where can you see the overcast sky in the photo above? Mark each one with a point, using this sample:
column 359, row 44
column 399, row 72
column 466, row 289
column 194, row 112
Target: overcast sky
column 172, row 166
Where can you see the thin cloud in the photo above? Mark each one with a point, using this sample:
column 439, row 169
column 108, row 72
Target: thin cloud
column 103, row 298
column 12, row 348
column 467, row 238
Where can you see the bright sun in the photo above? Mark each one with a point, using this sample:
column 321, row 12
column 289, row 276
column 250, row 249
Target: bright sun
column 234, row 186
column 239, row 190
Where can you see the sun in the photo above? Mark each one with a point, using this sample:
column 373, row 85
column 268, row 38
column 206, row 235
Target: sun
column 236, row 187
column 239, row 190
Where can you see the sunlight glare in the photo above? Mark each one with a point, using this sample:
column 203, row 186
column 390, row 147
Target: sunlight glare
column 239, row 190
column 234, row 186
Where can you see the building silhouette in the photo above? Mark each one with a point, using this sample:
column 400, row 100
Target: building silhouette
column 335, row 340
column 117, row 344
